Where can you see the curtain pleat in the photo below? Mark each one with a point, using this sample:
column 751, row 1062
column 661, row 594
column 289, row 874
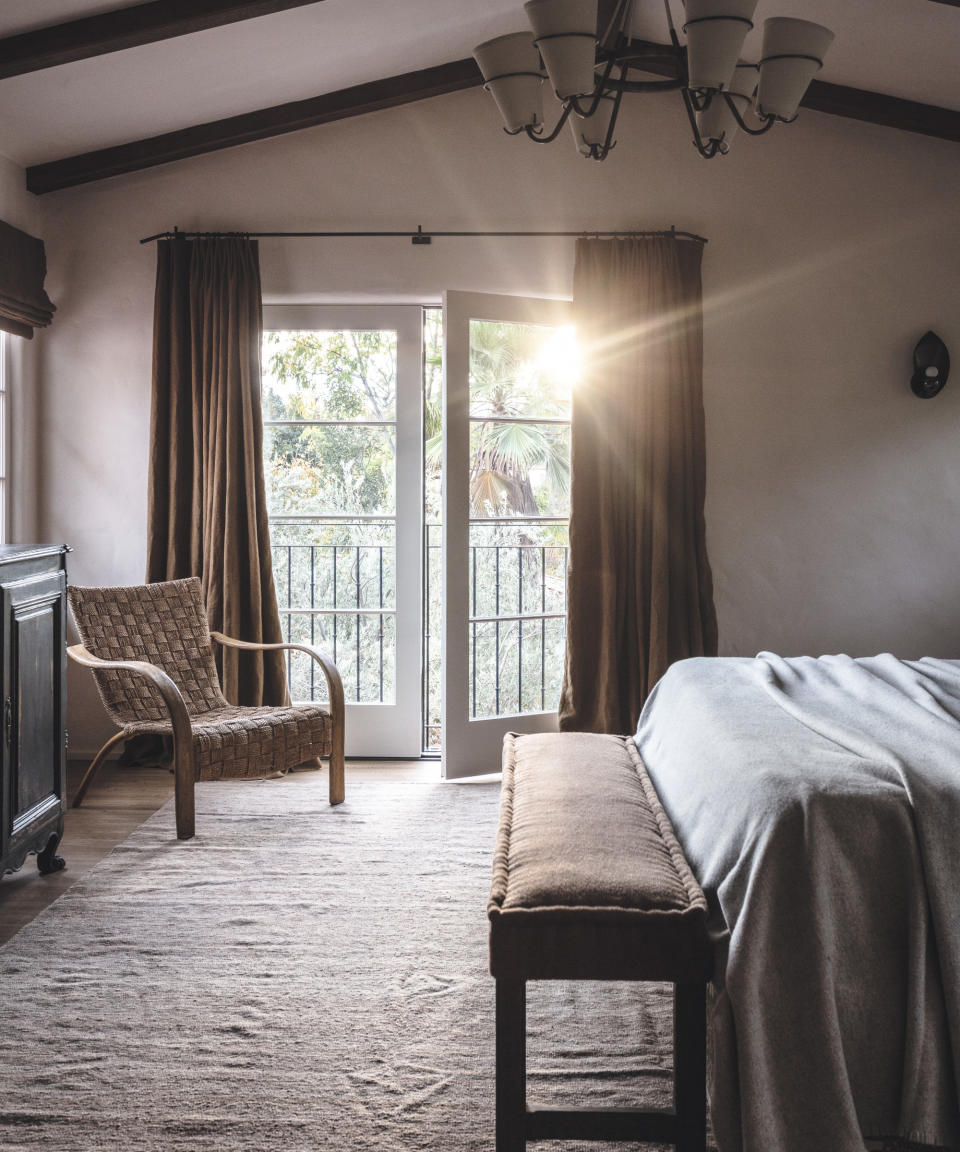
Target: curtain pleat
column 207, row 513
column 640, row 590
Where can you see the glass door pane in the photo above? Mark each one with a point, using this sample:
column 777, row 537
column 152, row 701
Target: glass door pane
column 342, row 462
column 509, row 371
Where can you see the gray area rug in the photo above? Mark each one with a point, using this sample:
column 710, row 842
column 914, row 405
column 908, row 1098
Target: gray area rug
column 296, row 977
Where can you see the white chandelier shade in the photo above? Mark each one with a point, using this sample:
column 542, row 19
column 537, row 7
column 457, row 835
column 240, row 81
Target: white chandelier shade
column 716, row 30
column 793, row 52
column 590, row 132
column 565, row 32
column 717, row 121
column 510, row 66
column 590, row 73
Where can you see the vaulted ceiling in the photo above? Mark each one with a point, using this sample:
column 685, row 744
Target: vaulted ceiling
column 81, row 77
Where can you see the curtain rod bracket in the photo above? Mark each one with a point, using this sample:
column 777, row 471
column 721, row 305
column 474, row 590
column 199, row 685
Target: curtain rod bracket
column 421, row 237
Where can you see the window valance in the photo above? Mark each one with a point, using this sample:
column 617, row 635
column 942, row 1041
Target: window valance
column 24, row 305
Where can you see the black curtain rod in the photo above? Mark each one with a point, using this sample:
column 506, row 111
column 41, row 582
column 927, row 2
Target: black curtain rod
column 418, row 237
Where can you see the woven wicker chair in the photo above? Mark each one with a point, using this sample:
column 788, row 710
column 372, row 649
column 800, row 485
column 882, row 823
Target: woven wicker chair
column 150, row 651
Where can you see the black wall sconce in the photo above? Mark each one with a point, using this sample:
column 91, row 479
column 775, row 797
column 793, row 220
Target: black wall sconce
column 931, row 366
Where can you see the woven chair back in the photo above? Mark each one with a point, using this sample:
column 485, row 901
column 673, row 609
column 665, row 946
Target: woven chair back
column 164, row 624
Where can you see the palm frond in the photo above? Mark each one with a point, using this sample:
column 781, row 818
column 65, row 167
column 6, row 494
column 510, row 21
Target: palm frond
column 489, row 493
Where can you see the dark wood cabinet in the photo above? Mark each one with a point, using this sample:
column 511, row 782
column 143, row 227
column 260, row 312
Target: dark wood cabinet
column 33, row 621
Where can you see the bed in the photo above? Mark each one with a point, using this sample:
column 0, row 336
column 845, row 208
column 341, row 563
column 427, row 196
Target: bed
column 818, row 802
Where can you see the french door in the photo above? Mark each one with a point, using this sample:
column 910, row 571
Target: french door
column 342, row 456
column 509, row 365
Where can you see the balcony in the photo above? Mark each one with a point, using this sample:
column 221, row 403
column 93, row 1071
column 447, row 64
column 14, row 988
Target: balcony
column 338, row 596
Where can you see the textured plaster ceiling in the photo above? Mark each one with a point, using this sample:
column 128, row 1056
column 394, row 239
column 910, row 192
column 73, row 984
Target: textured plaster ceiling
column 907, row 48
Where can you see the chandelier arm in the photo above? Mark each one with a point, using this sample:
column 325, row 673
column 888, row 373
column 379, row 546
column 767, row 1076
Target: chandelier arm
column 639, row 53
column 600, row 151
column 767, row 121
column 537, row 139
column 617, row 20
column 574, row 103
column 608, row 140
column 645, row 85
column 707, row 151
column 674, row 38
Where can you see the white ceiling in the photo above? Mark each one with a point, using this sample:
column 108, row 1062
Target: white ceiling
column 907, row 48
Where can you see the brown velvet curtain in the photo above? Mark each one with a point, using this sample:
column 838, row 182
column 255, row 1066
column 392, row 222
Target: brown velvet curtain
column 640, row 591
column 207, row 504
column 24, row 305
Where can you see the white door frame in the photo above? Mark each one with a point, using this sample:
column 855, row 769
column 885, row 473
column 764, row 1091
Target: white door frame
column 388, row 730
column 472, row 747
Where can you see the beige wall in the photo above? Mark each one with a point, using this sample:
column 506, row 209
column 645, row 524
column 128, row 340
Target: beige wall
column 832, row 492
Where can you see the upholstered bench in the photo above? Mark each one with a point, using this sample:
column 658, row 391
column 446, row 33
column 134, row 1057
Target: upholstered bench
column 589, row 883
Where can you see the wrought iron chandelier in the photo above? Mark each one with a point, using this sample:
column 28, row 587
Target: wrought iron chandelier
column 590, row 73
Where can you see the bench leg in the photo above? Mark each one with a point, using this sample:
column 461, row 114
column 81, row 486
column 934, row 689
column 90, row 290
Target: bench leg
column 511, row 1065
column 690, row 1066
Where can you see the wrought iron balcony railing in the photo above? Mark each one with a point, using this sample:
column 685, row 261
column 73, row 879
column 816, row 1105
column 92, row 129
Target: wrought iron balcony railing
column 340, row 597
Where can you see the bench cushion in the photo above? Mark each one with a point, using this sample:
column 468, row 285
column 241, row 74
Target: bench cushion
column 589, row 881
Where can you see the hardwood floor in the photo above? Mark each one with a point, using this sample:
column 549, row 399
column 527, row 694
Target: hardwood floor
column 119, row 801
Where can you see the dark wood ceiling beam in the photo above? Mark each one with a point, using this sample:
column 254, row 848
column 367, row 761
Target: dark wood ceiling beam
column 202, row 138
column 834, row 99
column 890, row 111
column 125, row 28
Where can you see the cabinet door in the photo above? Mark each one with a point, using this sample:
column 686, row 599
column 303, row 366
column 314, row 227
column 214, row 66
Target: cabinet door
column 33, row 611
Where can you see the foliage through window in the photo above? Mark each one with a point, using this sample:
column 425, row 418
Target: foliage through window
column 520, row 384
column 329, row 408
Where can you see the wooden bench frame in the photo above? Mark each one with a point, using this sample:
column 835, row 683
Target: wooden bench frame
column 519, row 1121
column 650, row 925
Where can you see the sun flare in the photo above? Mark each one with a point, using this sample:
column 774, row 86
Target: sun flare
column 560, row 357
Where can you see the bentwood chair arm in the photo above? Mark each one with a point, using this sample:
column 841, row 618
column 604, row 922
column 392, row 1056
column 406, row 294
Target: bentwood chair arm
column 179, row 720
column 334, row 689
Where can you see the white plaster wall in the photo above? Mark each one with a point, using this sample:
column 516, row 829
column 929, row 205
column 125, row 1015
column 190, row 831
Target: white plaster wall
column 19, row 208
column 833, row 494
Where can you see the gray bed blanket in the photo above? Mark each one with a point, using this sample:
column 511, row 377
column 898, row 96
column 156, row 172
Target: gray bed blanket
column 818, row 802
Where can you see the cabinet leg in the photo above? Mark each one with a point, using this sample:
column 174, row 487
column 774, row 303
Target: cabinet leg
column 48, row 861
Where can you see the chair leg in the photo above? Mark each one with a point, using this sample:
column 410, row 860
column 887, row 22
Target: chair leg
column 94, row 768
column 184, row 775
column 184, row 780
column 337, row 779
